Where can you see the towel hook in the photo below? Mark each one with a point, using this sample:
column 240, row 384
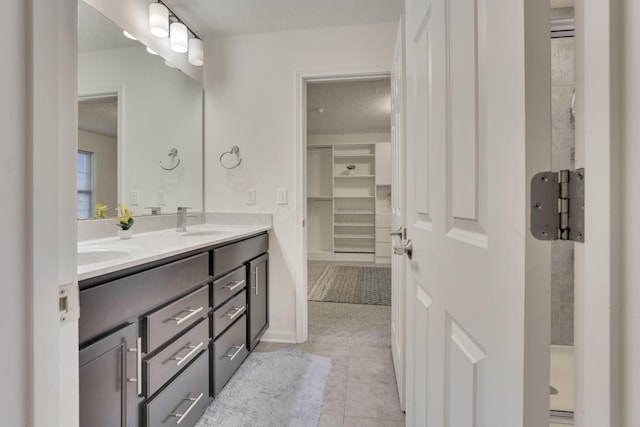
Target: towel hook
column 173, row 153
column 234, row 151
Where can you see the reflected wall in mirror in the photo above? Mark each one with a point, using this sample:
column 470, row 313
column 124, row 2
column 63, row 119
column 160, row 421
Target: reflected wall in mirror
column 134, row 111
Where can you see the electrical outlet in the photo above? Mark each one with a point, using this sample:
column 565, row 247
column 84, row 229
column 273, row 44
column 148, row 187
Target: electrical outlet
column 282, row 196
column 161, row 201
column 134, row 198
column 251, row 196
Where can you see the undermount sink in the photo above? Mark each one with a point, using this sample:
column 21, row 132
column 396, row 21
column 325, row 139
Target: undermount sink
column 96, row 255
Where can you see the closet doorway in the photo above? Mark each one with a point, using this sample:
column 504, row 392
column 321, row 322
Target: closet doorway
column 348, row 190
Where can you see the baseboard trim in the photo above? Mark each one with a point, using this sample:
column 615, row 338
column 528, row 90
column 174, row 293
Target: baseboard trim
column 271, row 335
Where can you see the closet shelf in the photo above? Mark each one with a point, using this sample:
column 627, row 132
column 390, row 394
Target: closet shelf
column 354, row 176
column 353, row 156
column 354, row 197
column 354, row 236
column 360, row 250
column 354, row 224
column 354, row 212
column 320, row 197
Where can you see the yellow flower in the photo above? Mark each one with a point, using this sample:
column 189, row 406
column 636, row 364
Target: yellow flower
column 125, row 218
column 101, row 211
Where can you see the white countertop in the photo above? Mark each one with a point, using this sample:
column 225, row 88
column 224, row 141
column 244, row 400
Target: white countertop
column 152, row 246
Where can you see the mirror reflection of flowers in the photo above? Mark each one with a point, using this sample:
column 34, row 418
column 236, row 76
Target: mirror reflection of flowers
column 125, row 217
column 101, row 211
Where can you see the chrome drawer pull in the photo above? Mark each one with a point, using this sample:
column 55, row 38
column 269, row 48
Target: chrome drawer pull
column 182, row 359
column 192, row 313
column 255, row 273
column 236, row 311
column 195, row 401
column 235, row 285
column 238, row 350
column 138, row 379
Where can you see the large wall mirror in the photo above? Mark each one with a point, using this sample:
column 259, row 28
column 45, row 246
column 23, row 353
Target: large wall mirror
column 140, row 120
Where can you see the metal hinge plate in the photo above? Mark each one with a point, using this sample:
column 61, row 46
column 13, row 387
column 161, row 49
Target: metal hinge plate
column 69, row 302
column 557, row 205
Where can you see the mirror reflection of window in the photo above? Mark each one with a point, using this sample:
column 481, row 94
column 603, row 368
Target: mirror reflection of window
column 85, row 184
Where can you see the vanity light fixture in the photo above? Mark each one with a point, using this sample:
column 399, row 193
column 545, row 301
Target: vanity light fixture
column 196, row 52
column 169, row 64
column 151, row 51
column 158, row 20
column 128, row 35
column 179, row 37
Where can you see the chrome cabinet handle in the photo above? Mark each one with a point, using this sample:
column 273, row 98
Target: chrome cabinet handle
column 192, row 313
column 235, row 285
column 138, row 378
column 195, row 401
column 238, row 350
column 255, row 273
column 406, row 249
column 181, row 359
column 236, row 311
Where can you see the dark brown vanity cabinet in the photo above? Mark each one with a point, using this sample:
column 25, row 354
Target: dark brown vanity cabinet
column 158, row 343
column 258, row 297
column 109, row 379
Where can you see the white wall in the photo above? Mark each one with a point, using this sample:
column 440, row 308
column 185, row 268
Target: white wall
column 349, row 138
column 250, row 101
column 162, row 109
column 631, row 209
column 105, row 151
column 14, row 292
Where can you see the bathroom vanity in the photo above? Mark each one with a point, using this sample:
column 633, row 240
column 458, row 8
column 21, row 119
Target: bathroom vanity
column 161, row 337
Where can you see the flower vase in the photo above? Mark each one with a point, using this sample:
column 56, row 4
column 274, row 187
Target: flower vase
column 125, row 234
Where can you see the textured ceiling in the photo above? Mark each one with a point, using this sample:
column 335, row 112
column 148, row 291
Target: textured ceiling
column 95, row 32
column 348, row 107
column 230, row 17
column 99, row 115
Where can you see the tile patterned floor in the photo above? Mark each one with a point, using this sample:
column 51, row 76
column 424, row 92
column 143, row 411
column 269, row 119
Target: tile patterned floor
column 361, row 389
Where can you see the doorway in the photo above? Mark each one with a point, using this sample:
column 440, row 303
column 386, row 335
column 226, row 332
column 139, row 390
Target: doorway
column 348, row 188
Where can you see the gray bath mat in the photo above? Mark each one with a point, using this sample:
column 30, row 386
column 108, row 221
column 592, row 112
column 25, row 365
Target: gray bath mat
column 353, row 285
column 283, row 388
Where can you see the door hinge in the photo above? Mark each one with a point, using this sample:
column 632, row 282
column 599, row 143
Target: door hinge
column 557, row 205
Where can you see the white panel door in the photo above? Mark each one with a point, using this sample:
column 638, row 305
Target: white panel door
column 466, row 180
column 397, row 212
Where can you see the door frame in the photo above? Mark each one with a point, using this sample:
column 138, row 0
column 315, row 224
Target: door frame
column 302, row 78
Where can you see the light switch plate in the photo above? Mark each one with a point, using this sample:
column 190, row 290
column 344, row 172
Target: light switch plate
column 251, row 196
column 134, row 197
column 283, row 198
column 161, row 200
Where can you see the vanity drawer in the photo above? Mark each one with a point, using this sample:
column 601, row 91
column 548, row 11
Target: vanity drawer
column 164, row 365
column 231, row 256
column 177, row 316
column 228, row 313
column 113, row 303
column 227, row 286
column 229, row 351
column 184, row 400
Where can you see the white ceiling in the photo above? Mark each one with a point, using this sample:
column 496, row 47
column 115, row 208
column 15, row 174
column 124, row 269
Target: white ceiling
column 231, row 17
column 99, row 115
column 360, row 106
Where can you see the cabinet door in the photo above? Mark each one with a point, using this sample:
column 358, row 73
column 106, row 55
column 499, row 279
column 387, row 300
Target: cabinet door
column 258, row 298
column 109, row 375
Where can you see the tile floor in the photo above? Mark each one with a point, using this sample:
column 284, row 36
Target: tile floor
column 361, row 389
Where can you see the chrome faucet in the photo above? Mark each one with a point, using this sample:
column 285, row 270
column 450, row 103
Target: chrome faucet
column 182, row 218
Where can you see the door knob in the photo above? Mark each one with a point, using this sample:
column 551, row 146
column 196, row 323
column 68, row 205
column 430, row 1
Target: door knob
column 405, row 249
column 400, row 232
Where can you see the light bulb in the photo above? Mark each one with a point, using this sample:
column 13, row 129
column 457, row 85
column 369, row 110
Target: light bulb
column 179, row 37
column 158, row 20
column 128, row 35
column 196, row 52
